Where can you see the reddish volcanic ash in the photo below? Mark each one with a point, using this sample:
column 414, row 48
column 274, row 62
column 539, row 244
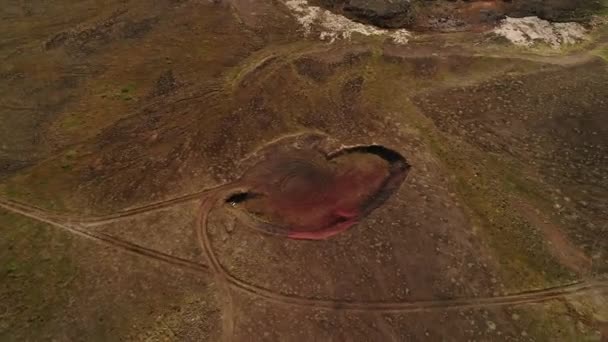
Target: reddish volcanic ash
column 306, row 195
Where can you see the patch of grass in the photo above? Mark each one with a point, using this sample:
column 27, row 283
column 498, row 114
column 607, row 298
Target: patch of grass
column 9, row 191
column 128, row 88
column 71, row 154
column 602, row 52
column 603, row 8
column 11, row 267
column 68, row 159
column 488, row 189
column 38, row 188
column 268, row 57
column 34, row 267
column 125, row 93
column 71, row 122
column 559, row 321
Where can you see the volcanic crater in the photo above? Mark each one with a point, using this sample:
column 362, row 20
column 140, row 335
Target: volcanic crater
column 304, row 193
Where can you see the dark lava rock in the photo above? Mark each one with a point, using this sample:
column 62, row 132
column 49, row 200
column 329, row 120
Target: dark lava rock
column 449, row 15
column 554, row 10
column 381, row 13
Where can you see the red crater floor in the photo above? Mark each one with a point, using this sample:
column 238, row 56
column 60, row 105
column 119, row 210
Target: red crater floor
column 304, row 194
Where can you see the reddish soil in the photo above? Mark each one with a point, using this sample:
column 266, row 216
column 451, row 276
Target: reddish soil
column 305, row 195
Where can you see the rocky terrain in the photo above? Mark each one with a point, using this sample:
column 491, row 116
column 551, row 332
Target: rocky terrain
column 275, row 171
column 453, row 15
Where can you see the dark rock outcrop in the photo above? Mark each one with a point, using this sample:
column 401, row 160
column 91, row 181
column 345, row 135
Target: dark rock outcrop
column 554, row 10
column 448, row 15
column 382, row 13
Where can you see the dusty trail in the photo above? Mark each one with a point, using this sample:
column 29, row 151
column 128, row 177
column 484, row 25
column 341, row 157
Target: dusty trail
column 211, row 199
column 207, row 204
column 49, row 218
column 91, row 221
column 536, row 296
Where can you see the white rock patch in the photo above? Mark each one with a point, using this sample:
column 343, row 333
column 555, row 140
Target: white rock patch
column 334, row 26
column 531, row 30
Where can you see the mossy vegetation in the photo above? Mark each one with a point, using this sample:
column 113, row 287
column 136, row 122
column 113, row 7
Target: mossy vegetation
column 51, row 288
column 603, row 11
column 573, row 320
column 488, row 190
column 33, row 276
column 47, row 179
column 488, row 186
column 602, row 52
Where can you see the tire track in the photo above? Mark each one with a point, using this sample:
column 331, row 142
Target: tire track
column 527, row 297
column 211, row 199
column 91, row 221
column 34, row 213
column 224, row 282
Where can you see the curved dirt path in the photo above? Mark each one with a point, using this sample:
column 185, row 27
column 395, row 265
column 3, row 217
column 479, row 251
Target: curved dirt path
column 68, row 225
column 534, row 296
column 212, row 198
column 91, row 221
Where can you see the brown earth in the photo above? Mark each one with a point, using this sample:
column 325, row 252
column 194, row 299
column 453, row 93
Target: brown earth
column 128, row 129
